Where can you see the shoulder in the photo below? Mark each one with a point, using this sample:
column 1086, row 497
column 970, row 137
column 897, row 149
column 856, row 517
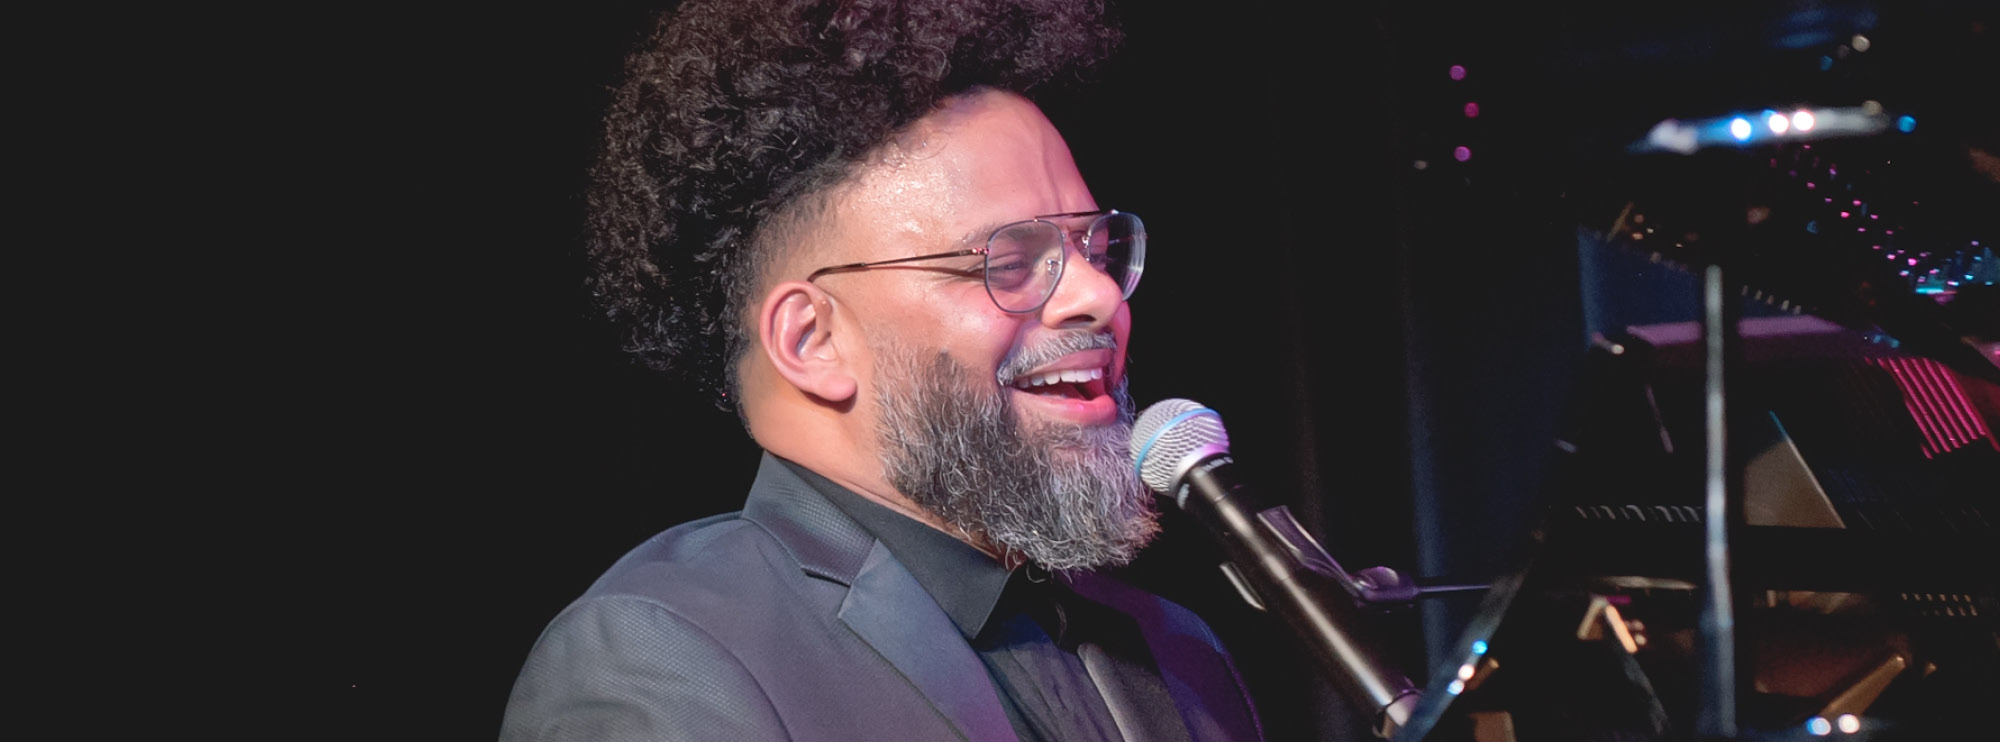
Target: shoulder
column 651, row 647
column 676, row 581
column 709, row 552
column 617, row 667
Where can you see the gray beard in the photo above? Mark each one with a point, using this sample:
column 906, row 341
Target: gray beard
column 1063, row 496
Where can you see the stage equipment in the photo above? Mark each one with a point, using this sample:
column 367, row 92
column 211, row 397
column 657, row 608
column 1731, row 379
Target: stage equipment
column 1771, row 513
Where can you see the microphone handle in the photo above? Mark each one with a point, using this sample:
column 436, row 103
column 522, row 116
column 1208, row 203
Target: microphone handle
column 1269, row 551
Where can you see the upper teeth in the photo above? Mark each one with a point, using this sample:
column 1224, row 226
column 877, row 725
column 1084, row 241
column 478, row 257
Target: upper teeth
column 1072, row 376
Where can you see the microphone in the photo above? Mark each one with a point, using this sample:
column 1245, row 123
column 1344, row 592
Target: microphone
column 1182, row 453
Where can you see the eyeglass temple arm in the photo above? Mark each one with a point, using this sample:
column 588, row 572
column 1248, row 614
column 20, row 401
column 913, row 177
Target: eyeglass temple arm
column 863, row 266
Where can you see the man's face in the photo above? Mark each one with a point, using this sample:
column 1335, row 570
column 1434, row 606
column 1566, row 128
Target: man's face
column 967, row 423
column 987, row 159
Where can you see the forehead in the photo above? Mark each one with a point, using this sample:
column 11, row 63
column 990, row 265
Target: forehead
column 983, row 159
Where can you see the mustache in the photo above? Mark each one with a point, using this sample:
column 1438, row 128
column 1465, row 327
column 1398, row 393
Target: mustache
column 1027, row 359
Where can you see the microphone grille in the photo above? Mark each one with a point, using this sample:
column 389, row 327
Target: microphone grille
column 1166, row 433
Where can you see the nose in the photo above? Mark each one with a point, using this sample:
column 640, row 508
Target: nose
column 1085, row 297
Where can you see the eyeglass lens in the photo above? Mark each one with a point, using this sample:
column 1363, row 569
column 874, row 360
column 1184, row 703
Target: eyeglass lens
column 1025, row 260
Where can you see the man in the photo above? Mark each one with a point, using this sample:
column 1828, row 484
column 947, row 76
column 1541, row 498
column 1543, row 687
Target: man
column 922, row 318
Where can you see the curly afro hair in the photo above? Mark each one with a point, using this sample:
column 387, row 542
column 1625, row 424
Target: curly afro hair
column 735, row 115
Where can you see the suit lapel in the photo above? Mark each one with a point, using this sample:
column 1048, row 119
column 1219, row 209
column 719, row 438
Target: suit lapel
column 884, row 605
column 889, row 610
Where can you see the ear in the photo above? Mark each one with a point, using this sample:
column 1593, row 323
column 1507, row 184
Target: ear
column 795, row 328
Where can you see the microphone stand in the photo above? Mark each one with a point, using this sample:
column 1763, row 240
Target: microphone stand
column 1295, row 578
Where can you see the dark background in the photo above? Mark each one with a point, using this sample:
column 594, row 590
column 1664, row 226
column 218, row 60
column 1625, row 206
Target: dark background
column 432, row 445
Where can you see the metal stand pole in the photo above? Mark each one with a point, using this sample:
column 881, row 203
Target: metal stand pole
column 1722, row 510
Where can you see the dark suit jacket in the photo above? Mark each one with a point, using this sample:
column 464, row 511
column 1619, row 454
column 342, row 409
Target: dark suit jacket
column 788, row 620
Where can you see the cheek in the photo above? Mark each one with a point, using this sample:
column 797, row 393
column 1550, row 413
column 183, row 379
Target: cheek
column 956, row 319
column 977, row 333
column 980, row 339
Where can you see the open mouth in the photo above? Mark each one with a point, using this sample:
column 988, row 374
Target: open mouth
column 1078, row 383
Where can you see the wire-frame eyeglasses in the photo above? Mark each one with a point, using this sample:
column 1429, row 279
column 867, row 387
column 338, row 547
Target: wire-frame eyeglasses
column 1024, row 260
